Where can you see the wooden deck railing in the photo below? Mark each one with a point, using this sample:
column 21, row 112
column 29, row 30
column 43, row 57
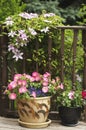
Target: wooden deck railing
column 4, row 62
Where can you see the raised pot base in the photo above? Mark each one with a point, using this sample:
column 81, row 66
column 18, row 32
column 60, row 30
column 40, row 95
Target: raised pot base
column 34, row 125
column 70, row 125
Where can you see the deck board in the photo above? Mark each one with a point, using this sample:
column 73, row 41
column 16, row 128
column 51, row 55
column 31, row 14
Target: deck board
column 12, row 124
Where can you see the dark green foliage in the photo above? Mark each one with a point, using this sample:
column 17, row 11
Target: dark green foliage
column 10, row 7
column 37, row 6
column 65, row 8
column 82, row 15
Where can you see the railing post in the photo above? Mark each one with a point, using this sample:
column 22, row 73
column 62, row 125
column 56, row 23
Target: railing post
column 62, row 55
column 49, row 53
column 74, row 57
column 4, row 73
column 84, row 69
column 24, row 62
column 0, row 60
column 37, row 47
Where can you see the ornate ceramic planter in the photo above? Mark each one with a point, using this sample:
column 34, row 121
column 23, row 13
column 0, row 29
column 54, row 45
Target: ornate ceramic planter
column 34, row 110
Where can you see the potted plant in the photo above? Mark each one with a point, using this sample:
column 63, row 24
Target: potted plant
column 33, row 93
column 70, row 104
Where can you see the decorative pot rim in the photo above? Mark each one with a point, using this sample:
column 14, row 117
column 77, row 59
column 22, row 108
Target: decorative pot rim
column 71, row 106
column 37, row 98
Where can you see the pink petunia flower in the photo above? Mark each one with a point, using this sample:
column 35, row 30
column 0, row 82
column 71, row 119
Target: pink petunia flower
column 20, row 82
column 61, row 86
column 45, row 83
column 24, row 83
column 37, row 78
column 17, row 76
column 27, row 76
column 12, row 85
column 71, row 94
column 12, row 96
column 46, row 75
column 9, row 87
column 45, row 89
column 23, row 90
column 45, row 79
column 35, row 74
column 53, row 81
column 32, row 79
column 34, row 94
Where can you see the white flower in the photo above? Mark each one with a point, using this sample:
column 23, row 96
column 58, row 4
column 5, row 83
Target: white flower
column 32, row 31
column 10, row 47
column 78, row 78
column 11, row 34
column 17, row 55
column 9, row 21
column 49, row 15
column 45, row 30
column 47, row 21
column 23, row 44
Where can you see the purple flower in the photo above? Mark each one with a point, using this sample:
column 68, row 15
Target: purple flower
column 28, row 16
column 22, row 35
column 10, row 47
column 49, row 15
column 17, row 55
column 39, row 92
column 32, row 89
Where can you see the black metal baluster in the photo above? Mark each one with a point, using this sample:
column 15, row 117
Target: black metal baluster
column 37, row 47
column 74, row 57
column 84, row 68
column 62, row 55
column 49, row 53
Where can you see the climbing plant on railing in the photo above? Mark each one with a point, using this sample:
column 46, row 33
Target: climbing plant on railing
column 25, row 27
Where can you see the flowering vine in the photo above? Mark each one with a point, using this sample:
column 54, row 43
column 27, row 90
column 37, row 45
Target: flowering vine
column 24, row 27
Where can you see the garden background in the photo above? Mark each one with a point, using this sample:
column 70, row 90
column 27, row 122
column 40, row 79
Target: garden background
column 41, row 57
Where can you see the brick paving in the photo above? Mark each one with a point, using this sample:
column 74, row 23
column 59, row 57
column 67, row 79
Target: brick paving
column 12, row 124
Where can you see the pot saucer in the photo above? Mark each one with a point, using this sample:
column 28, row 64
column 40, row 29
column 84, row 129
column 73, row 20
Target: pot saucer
column 34, row 125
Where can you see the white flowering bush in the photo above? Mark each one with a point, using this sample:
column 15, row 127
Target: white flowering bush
column 24, row 27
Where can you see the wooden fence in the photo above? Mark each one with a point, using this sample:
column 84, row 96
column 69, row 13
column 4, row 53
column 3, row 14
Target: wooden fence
column 7, row 108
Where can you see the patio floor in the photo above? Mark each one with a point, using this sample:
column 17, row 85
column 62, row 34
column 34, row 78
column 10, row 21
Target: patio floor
column 12, row 124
